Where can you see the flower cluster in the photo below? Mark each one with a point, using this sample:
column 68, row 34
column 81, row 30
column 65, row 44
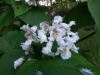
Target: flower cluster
column 59, row 32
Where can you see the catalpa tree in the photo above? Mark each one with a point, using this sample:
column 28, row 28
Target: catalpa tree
column 38, row 37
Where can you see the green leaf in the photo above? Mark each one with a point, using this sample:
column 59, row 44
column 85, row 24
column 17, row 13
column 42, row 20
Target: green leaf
column 4, row 46
column 98, row 44
column 35, row 16
column 11, row 41
column 7, row 62
column 19, row 7
column 81, row 15
column 6, row 18
column 9, row 1
column 57, row 66
column 10, row 28
column 94, row 8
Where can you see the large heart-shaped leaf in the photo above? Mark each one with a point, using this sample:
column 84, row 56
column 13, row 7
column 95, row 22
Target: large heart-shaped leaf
column 19, row 7
column 7, row 62
column 35, row 16
column 81, row 15
column 57, row 66
column 94, row 8
column 11, row 41
column 6, row 18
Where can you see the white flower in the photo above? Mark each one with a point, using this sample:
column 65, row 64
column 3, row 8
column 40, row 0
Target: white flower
column 28, row 42
column 42, row 36
column 72, row 23
column 47, row 49
column 86, row 71
column 65, row 26
column 61, row 31
column 44, row 27
column 30, row 2
column 74, row 36
column 26, row 46
column 71, row 46
column 56, row 23
column 54, row 34
column 59, row 18
column 51, row 38
column 34, row 28
column 65, row 53
column 60, row 41
column 18, row 62
column 30, row 33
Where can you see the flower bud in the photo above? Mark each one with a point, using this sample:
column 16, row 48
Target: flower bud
column 18, row 62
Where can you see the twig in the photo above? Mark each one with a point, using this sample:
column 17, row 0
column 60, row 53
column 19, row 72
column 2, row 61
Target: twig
column 85, row 37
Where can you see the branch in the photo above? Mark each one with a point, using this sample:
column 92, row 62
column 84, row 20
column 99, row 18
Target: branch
column 85, row 37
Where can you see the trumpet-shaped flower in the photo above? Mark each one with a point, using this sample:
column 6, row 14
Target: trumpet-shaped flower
column 65, row 26
column 72, row 23
column 59, row 18
column 34, row 28
column 71, row 46
column 61, row 31
column 65, row 53
column 18, row 62
column 51, row 38
column 47, row 50
column 30, row 33
column 86, row 71
column 26, row 46
column 44, row 27
column 60, row 41
column 74, row 36
column 42, row 36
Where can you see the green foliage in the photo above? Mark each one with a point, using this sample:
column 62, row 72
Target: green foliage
column 35, row 16
column 56, row 66
column 6, row 18
column 7, row 62
column 81, row 15
column 71, row 0
column 94, row 7
column 18, row 7
column 10, row 28
column 11, row 40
